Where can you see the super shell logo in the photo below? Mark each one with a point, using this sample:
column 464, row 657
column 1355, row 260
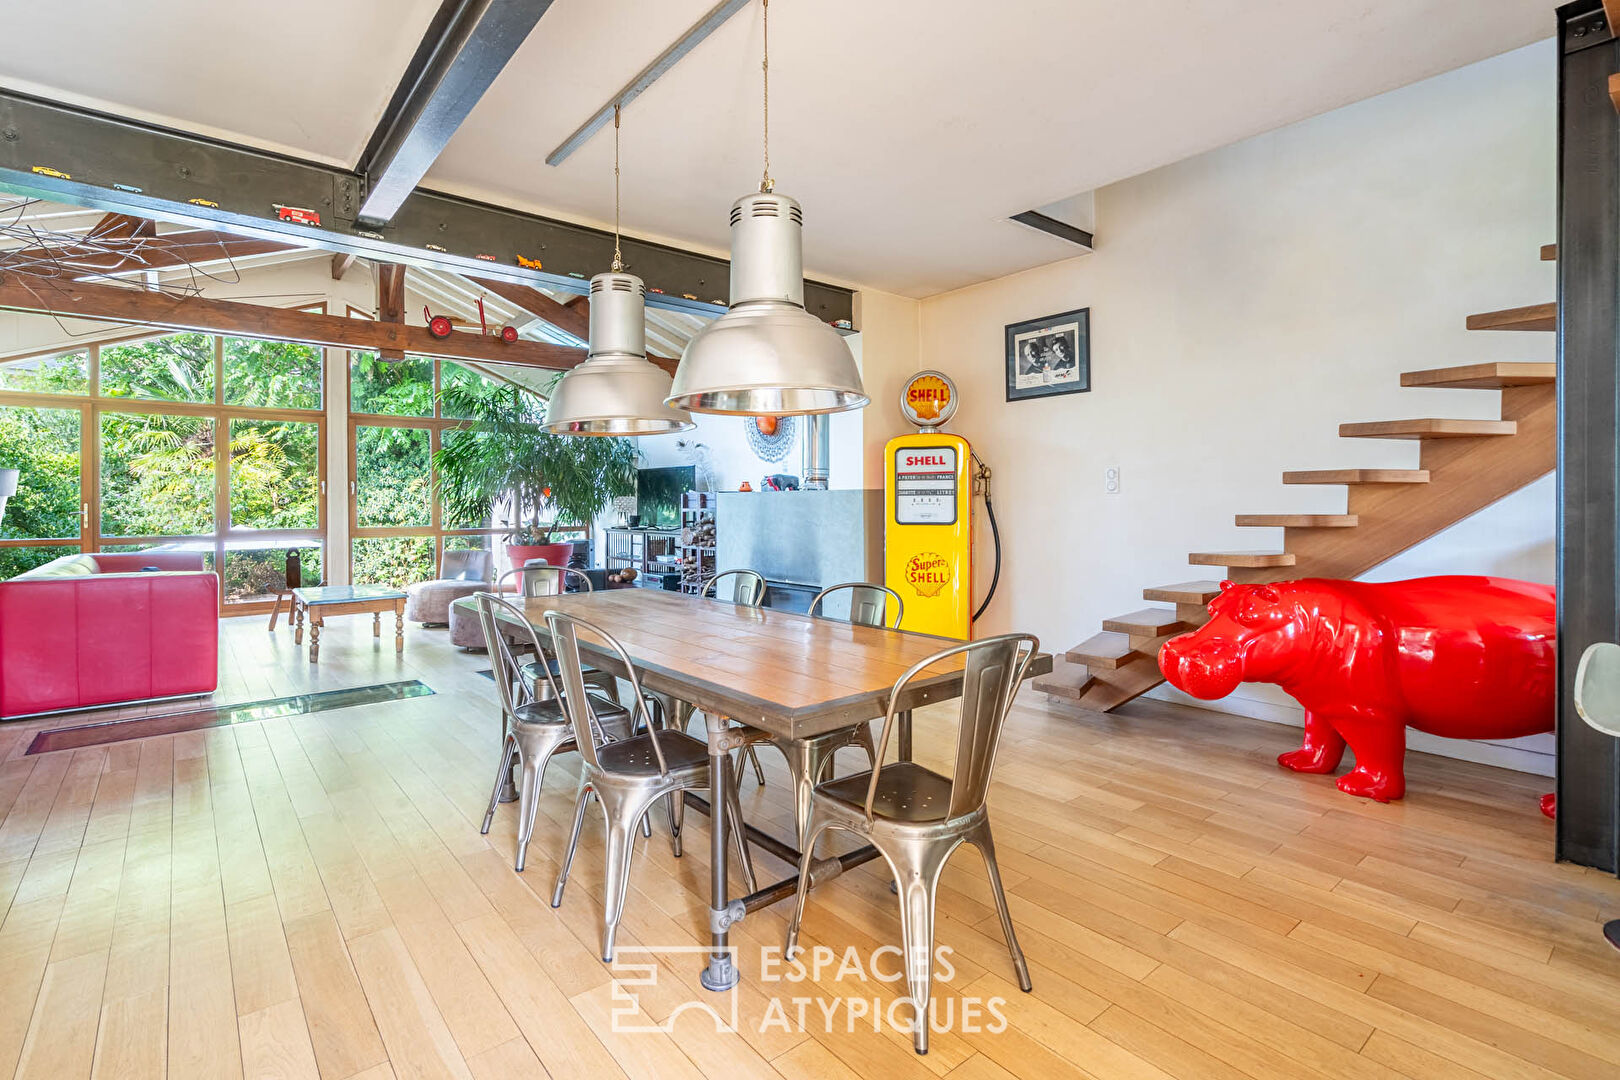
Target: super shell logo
column 928, row 572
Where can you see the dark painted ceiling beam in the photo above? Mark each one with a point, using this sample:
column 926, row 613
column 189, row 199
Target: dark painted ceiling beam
column 467, row 45
column 68, row 154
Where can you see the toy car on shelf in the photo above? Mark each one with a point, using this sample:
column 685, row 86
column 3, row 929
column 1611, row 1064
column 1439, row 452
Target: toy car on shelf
column 210, row 203
column 576, row 273
column 843, row 324
column 688, row 296
column 44, row 170
column 298, row 215
column 487, row 258
column 528, row 263
column 660, row 292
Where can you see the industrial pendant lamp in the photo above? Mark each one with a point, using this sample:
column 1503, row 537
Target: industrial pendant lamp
column 767, row 356
column 616, row 391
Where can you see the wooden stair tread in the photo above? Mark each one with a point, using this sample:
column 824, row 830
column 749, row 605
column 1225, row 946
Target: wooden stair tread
column 1534, row 317
column 1105, row 650
column 1149, row 622
column 1549, row 252
column 1427, row 428
column 1357, row 476
column 1064, row 680
column 1185, row 592
column 1298, row 521
column 1111, row 689
column 1241, row 558
column 1484, row 376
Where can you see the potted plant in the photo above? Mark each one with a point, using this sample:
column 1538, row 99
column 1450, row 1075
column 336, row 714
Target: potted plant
column 504, row 458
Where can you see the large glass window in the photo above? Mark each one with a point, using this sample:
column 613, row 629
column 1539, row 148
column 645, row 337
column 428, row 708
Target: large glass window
column 259, row 574
column 390, row 387
column 174, row 367
column 275, row 474
column 453, row 375
column 68, row 373
column 272, row 374
column 157, row 474
column 392, row 560
column 393, row 476
column 451, row 520
column 43, row 446
column 199, row 442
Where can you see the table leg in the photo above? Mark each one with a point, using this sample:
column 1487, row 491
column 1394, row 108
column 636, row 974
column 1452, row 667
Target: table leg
column 905, row 734
column 314, row 637
column 399, row 627
column 721, row 972
column 298, row 622
column 376, row 624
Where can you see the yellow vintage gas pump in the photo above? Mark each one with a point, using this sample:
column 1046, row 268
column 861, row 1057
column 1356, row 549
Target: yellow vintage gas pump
column 928, row 513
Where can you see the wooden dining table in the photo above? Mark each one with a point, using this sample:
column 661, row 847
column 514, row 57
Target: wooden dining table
column 789, row 675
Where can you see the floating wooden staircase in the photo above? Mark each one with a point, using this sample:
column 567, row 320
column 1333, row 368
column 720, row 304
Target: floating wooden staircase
column 1464, row 466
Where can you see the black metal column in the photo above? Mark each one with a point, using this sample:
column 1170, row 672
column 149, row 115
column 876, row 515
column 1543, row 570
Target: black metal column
column 1588, row 420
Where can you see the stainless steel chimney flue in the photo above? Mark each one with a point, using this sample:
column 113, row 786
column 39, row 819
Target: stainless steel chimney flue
column 817, row 452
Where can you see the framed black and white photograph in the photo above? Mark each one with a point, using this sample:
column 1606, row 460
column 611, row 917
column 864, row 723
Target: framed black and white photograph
column 1049, row 356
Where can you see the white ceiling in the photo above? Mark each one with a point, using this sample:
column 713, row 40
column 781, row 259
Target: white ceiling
column 909, row 129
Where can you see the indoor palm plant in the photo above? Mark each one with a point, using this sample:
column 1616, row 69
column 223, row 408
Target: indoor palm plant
column 503, row 458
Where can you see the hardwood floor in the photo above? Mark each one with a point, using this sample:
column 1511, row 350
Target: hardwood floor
column 310, row 897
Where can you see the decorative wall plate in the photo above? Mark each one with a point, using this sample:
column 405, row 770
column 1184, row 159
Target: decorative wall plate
column 771, row 437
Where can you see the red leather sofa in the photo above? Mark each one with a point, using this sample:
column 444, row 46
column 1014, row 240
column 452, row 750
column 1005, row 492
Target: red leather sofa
column 100, row 629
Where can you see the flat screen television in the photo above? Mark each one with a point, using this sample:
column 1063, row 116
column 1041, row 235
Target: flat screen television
column 658, row 494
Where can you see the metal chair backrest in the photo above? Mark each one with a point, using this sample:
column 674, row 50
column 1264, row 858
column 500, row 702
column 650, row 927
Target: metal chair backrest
column 992, row 670
column 588, row 734
column 747, row 587
column 465, row 564
column 541, row 580
column 513, row 685
column 1597, row 687
column 868, row 603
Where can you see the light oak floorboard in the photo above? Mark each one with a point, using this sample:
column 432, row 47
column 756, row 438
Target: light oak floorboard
column 310, row 897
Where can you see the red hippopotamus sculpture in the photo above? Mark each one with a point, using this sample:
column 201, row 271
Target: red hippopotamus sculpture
column 1463, row 657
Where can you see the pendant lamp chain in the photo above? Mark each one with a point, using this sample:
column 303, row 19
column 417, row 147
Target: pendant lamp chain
column 618, row 263
column 766, row 184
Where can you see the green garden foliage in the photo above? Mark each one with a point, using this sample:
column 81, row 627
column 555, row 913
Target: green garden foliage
column 555, row 482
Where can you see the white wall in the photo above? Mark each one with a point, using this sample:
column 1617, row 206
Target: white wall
column 1244, row 303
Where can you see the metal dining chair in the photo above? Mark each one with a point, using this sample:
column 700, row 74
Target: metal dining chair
column 917, row 818
column 809, row 758
column 868, row 603
column 628, row 775
column 747, row 590
column 747, row 587
column 539, row 580
column 534, row 726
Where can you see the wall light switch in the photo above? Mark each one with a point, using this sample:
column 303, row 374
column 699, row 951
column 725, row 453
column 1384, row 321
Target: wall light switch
column 1111, row 480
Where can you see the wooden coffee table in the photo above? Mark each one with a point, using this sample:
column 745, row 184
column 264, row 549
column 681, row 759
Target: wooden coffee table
column 320, row 604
